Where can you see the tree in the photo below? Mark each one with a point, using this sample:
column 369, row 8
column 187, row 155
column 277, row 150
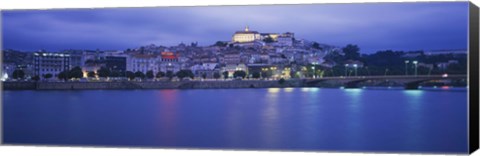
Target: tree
column 47, row 76
column 316, row 45
column 114, row 74
column 266, row 74
column 64, row 75
column 91, row 74
column 268, row 40
column 239, row 73
column 130, row 75
column 225, row 74
column 170, row 74
column 319, row 73
column 139, row 74
column 216, row 75
column 75, row 72
column 160, row 74
column 185, row 73
column 150, row 74
column 256, row 74
column 103, row 72
column 281, row 81
column 293, row 74
column 18, row 74
column 351, row 52
column 221, row 44
column 334, row 56
column 204, row 75
column 35, row 78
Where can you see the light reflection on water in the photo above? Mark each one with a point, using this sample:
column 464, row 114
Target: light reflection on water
column 273, row 118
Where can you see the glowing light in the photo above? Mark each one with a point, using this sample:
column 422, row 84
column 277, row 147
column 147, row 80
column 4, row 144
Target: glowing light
column 273, row 90
column 414, row 93
column 354, row 90
column 288, row 89
column 445, row 75
column 445, row 87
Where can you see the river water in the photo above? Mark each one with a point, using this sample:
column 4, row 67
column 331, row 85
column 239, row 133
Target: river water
column 306, row 119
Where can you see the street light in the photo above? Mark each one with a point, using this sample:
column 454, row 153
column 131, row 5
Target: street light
column 415, row 63
column 355, row 66
column 406, row 67
column 313, row 68
column 346, row 65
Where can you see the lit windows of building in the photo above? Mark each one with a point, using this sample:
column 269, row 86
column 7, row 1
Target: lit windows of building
column 50, row 63
column 246, row 36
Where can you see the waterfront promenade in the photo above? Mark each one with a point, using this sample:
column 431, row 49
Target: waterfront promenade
column 409, row 82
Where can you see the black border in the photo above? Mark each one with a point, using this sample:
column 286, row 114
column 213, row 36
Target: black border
column 473, row 85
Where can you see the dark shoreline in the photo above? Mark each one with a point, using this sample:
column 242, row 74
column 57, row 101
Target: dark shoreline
column 145, row 85
column 131, row 85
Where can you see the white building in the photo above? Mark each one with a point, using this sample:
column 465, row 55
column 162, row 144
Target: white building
column 246, row 36
column 50, row 63
column 142, row 63
column 168, row 61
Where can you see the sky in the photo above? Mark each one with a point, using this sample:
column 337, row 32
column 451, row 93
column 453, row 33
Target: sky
column 371, row 26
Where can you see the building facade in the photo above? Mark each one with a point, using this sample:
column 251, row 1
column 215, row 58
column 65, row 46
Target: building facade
column 246, row 36
column 50, row 63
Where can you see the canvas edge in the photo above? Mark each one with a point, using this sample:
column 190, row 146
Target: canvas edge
column 473, row 82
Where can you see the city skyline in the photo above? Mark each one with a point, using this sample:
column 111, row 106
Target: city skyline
column 417, row 26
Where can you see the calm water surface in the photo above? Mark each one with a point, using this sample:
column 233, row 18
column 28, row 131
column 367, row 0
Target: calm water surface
column 378, row 120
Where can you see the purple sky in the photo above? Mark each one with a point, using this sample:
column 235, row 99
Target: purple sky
column 372, row 26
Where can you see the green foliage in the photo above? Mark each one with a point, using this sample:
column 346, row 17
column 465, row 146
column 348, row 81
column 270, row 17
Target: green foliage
column 221, row 44
column 335, row 57
column 256, row 75
column 316, row 45
column 150, row 74
column 47, row 76
column 185, row 73
column 266, row 74
column 216, row 75
column 293, row 74
column 91, row 74
column 204, row 75
column 160, row 74
column 64, row 75
column 114, row 74
column 103, row 72
column 18, row 74
column 351, row 52
column 225, row 74
column 239, row 73
column 75, row 72
column 268, row 40
column 139, row 74
column 130, row 75
column 170, row 74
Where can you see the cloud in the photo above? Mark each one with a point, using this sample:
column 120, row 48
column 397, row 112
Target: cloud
column 373, row 26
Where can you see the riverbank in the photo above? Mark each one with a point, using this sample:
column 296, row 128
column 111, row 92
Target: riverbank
column 215, row 84
column 149, row 85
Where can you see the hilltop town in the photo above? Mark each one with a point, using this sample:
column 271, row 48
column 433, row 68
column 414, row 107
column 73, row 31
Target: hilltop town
column 248, row 55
